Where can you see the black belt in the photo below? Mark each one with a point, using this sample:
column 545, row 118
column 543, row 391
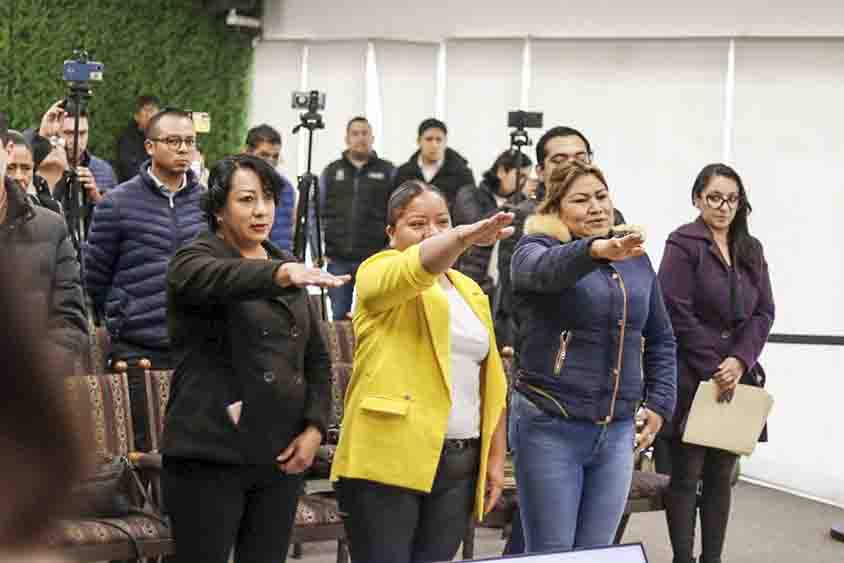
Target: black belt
column 457, row 445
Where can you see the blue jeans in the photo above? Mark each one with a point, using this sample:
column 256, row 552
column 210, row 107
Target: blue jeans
column 573, row 477
column 341, row 297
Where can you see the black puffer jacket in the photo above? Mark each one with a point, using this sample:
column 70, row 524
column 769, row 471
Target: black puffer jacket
column 473, row 204
column 36, row 241
column 454, row 174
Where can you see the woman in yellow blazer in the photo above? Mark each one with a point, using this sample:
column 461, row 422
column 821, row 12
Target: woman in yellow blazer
column 423, row 441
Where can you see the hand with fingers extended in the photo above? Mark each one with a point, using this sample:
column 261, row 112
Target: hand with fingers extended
column 51, row 122
column 299, row 455
column 487, row 232
column 617, row 249
column 300, row 275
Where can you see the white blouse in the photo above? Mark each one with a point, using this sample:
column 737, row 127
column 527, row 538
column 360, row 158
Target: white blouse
column 469, row 348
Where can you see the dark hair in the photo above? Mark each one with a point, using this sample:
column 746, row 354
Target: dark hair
column 742, row 245
column 146, row 100
column 262, row 134
column 17, row 139
column 432, row 123
column 153, row 126
column 403, row 195
column 220, row 183
column 560, row 131
column 507, row 160
column 4, row 125
column 357, row 119
column 42, row 455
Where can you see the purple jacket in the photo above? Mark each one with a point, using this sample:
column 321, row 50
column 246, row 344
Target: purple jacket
column 696, row 288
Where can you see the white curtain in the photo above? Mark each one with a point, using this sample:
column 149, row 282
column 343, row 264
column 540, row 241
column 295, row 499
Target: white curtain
column 337, row 68
column 653, row 111
column 277, row 71
column 484, row 81
column 789, row 149
column 407, row 75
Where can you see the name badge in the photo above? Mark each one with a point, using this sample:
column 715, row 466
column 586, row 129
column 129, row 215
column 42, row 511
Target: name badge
column 377, row 175
column 340, row 176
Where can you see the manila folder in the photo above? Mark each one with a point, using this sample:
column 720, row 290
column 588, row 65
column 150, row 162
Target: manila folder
column 733, row 426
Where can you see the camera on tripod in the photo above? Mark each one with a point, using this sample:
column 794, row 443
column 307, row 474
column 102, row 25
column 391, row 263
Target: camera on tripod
column 312, row 101
column 80, row 69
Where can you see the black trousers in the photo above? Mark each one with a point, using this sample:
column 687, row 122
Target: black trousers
column 214, row 508
column 387, row 524
column 714, row 468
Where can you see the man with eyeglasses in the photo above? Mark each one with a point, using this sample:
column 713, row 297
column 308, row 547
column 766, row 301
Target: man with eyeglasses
column 136, row 229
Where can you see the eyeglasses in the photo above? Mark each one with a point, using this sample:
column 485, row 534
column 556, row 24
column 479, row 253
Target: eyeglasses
column 175, row 143
column 717, row 201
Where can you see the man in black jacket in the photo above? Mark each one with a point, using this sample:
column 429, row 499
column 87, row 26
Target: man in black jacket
column 36, row 241
column 131, row 152
column 436, row 163
column 22, row 169
column 354, row 191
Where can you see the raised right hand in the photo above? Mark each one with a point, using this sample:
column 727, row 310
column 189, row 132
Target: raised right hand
column 299, row 275
column 487, row 231
column 617, row 249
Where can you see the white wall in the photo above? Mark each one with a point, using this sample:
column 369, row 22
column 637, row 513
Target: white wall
column 806, row 448
column 439, row 19
column 656, row 110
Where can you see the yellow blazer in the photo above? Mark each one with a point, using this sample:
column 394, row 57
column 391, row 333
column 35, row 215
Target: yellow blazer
column 399, row 398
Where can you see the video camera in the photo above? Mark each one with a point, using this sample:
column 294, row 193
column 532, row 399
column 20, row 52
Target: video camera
column 312, row 101
column 81, row 69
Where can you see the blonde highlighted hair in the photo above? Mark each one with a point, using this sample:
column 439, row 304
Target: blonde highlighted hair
column 561, row 182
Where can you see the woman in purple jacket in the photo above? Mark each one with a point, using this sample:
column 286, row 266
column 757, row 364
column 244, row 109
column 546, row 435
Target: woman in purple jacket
column 718, row 293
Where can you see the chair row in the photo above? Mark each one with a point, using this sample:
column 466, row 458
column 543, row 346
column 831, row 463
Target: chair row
column 102, row 404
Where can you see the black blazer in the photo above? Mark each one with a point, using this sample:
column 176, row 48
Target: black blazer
column 237, row 336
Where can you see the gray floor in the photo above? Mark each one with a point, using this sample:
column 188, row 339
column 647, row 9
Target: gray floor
column 767, row 526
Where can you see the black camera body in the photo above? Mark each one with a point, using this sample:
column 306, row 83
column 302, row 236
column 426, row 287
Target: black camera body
column 312, row 101
column 524, row 119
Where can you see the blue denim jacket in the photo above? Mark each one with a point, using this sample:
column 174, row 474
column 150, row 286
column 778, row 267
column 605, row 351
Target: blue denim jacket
column 594, row 337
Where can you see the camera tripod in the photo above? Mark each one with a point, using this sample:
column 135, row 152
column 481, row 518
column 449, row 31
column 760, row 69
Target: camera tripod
column 309, row 201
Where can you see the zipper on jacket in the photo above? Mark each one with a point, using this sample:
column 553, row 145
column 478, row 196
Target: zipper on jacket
column 565, row 338
column 550, row 398
column 622, row 325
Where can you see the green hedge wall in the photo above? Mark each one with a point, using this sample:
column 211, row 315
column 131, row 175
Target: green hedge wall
column 170, row 48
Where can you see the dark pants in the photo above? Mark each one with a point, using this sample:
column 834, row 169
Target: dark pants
column 214, row 508
column 386, row 524
column 341, row 297
column 714, row 468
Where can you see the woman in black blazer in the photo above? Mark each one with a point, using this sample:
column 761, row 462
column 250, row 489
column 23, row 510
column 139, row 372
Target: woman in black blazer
column 250, row 393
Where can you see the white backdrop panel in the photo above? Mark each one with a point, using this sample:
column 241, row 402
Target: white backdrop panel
column 337, row 68
column 407, row 75
column 789, row 149
column 277, row 70
column 551, row 18
column 653, row 111
column 804, row 453
column 483, row 83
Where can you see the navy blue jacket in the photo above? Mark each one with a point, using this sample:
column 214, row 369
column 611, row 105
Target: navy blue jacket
column 595, row 339
column 282, row 232
column 135, row 231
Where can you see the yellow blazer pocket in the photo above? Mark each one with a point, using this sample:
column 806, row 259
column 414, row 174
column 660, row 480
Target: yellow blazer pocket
column 384, row 405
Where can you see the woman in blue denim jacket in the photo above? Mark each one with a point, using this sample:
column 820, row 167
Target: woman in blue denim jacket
column 595, row 343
